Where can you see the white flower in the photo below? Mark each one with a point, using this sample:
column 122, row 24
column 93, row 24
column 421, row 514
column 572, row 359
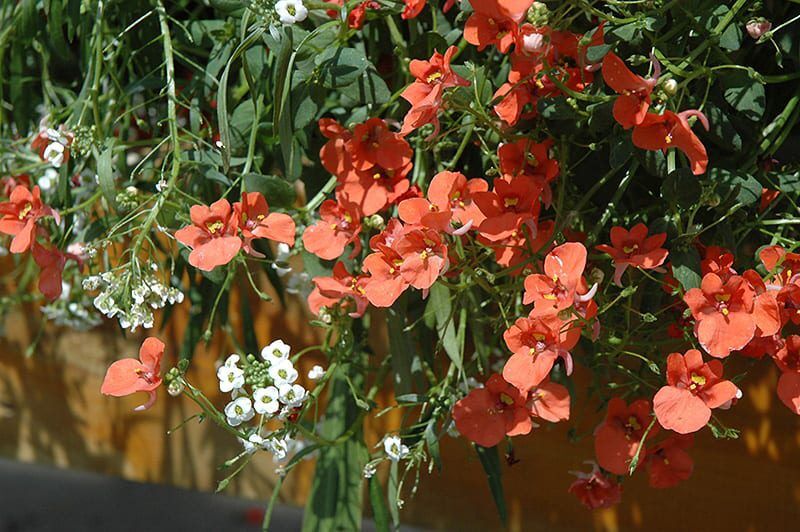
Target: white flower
column 161, row 185
column 282, row 371
column 316, row 373
column 291, row 11
column 292, row 395
column 230, row 378
column 232, row 361
column 252, row 443
column 54, row 154
column 266, row 400
column 49, row 180
column 370, row 469
column 394, row 448
column 238, row 411
column 276, row 350
column 279, row 448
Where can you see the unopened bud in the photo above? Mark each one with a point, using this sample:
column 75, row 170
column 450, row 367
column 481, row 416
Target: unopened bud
column 375, row 221
column 758, row 27
column 175, row 388
column 670, row 87
column 538, row 14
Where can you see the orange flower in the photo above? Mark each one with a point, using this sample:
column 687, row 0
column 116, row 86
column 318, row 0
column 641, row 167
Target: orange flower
column 19, row 216
column 51, row 262
column 489, row 414
column 723, row 313
column 412, row 9
column 495, row 22
column 670, row 130
column 373, row 145
column 424, row 257
column 559, row 286
column 634, row 248
column 454, row 191
column 693, row 389
column 129, row 375
column 513, row 201
column 212, row 237
column 618, row 438
column 537, row 342
column 668, row 463
column 768, row 196
column 432, row 78
column 256, row 221
column 386, row 281
column 339, row 225
column 787, row 358
column 549, row 401
column 595, row 490
column 532, row 159
column 516, row 248
column 631, row 106
column 341, row 288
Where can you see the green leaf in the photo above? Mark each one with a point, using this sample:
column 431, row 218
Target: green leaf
column 789, row 182
column 277, row 191
column 441, row 306
column 380, row 514
column 744, row 93
column 432, row 441
column 681, row 189
column 105, row 175
column 406, row 367
column 490, row 460
column 721, row 128
column 686, row 267
column 745, row 189
column 595, row 54
column 341, row 67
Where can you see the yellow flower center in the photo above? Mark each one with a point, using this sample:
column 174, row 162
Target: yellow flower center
column 25, row 210
column 213, row 227
column 433, row 77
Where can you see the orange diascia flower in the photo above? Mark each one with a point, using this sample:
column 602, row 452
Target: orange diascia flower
column 668, row 463
column 386, row 281
column 50, row 261
column 531, row 159
column 562, row 282
column 514, row 200
column 595, row 490
column 424, row 257
column 723, row 313
column 537, row 342
column 634, row 248
column 549, row 401
column 787, row 359
column 412, row 9
column 671, row 130
column 255, row 221
column 20, row 214
column 495, row 22
column 129, row 375
column 339, row 225
column 450, row 197
column 425, row 94
column 341, row 288
column 212, row 237
column 634, row 91
column 618, row 438
column 693, row 389
column 489, row 414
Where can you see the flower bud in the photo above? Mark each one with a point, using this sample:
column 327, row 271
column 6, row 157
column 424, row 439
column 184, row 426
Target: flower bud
column 758, row 27
column 175, row 388
column 538, row 14
column 375, row 221
column 670, row 87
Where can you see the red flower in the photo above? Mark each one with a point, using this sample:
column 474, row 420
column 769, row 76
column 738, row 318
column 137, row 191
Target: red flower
column 51, row 263
column 19, row 215
column 454, row 191
column 558, row 287
column 631, row 106
column 668, row 130
column 212, row 237
column 424, row 257
column 386, row 281
column 432, row 78
column 340, row 288
column 514, row 201
column 536, row 343
column 668, row 463
column 489, row 414
column 693, row 389
column 129, row 375
column 617, row 439
column 531, row 159
column 634, row 248
column 373, row 145
column 339, row 225
column 255, row 221
column 788, row 360
column 549, row 401
column 413, row 9
column 768, row 196
column 595, row 490
column 356, row 17
column 495, row 22
column 723, row 313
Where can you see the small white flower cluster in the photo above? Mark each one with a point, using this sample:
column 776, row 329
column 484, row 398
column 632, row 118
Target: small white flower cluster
column 55, row 151
column 131, row 298
column 273, row 394
column 71, row 309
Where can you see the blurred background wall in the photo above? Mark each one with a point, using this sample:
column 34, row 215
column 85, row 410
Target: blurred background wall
column 51, row 412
